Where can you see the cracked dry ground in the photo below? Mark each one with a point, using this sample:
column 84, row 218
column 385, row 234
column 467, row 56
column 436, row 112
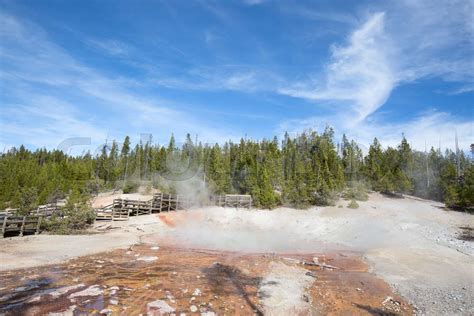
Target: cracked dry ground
column 124, row 282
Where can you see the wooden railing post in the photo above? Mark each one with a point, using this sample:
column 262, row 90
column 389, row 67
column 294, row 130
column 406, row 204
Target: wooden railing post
column 161, row 202
column 4, row 226
column 22, row 226
column 38, row 225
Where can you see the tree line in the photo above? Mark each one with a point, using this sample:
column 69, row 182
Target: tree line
column 308, row 169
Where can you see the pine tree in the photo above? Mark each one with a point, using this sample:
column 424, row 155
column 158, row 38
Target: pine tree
column 301, row 171
column 102, row 171
column 373, row 165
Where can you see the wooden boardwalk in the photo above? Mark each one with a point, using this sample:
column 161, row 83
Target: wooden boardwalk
column 14, row 224
column 46, row 210
column 122, row 209
column 233, row 200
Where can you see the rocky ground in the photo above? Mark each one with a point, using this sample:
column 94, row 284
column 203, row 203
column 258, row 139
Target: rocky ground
column 151, row 280
column 411, row 244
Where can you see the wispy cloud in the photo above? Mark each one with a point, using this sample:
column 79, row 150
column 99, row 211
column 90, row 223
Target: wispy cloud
column 433, row 128
column 320, row 15
column 253, row 2
column 434, row 39
column 359, row 74
column 41, row 75
column 47, row 121
column 409, row 40
column 465, row 89
column 240, row 78
column 390, row 45
column 110, row 46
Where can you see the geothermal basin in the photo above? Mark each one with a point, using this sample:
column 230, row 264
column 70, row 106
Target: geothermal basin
column 390, row 256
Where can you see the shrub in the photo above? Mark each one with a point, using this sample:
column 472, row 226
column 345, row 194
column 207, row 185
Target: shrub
column 130, row 187
column 92, row 187
column 74, row 217
column 28, row 200
column 80, row 217
column 148, row 189
column 353, row 204
column 323, row 196
column 356, row 191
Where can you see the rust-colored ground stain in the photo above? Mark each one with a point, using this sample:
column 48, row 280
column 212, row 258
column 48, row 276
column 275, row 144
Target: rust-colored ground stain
column 167, row 220
column 174, row 219
column 228, row 284
column 352, row 290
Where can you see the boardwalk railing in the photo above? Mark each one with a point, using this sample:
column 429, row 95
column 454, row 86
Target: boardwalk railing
column 46, row 210
column 104, row 213
column 11, row 223
column 122, row 209
column 233, row 200
column 20, row 224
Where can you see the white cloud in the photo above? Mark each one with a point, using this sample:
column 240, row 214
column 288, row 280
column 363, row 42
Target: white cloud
column 41, row 75
column 464, row 89
column 47, row 121
column 411, row 40
column 360, row 73
column 433, row 128
column 253, row 2
column 110, row 46
column 242, row 79
column 433, row 38
column 319, row 15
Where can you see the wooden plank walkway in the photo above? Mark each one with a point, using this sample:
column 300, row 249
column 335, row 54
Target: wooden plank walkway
column 13, row 224
column 104, row 213
column 233, row 200
column 46, row 210
column 122, row 209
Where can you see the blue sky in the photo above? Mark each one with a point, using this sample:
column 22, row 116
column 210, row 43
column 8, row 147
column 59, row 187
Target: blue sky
column 228, row 69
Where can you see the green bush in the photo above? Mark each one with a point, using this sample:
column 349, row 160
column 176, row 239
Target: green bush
column 323, row 196
column 28, row 200
column 356, row 191
column 353, row 204
column 148, row 189
column 92, row 187
column 73, row 218
column 130, row 187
